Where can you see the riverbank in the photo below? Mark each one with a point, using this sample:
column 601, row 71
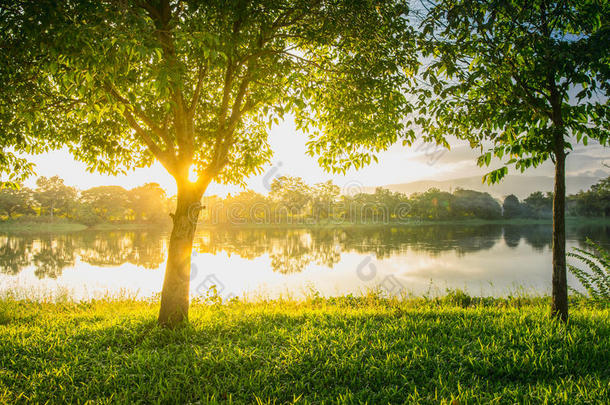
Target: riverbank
column 60, row 225
column 406, row 223
column 15, row 226
column 450, row 350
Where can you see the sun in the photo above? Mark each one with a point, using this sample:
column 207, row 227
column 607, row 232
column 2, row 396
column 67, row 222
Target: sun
column 193, row 176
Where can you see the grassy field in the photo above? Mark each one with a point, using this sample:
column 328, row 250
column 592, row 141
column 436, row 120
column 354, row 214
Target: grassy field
column 344, row 350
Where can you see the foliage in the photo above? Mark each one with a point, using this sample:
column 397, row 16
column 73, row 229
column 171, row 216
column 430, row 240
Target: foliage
column 149, row 203
column 52, row 198
column 122, row 83
column 513, row 73
column 594, row 202
column 476, row 204
column 15, row 201
column 108, row 203
column 292, row 201
column 511, row 208
column 346, row 349
column 523, row 81
column 597, row 280
column 539, row 204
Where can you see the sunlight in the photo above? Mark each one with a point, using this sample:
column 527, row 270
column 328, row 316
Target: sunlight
column 193, row 174
column 304, row 200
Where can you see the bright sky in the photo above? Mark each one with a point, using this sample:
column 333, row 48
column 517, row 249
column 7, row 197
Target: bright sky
column 397, row 165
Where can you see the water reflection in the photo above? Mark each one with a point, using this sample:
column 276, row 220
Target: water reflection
column 50, row 254
column 289, row 251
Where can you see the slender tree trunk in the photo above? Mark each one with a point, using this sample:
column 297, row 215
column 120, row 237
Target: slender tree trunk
column 175, row 293
column 559, row 305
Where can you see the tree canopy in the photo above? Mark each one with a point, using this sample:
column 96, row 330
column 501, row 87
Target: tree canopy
column 506, row 74
column 199, row 84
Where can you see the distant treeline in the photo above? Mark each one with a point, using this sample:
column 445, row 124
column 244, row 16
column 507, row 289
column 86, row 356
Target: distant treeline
column 102, row 204
column 594, row 202
column 290, row 201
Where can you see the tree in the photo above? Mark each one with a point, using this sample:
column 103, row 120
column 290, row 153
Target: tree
column 511, row 207
column 247, row 206
column 433, row 204
column 54, row 196
column 529, row 78
column 601, row 192
column 109, row 203
column 197, row 86
column 291, row 195
column 16, row 200
column 470, row 203
column 16, row 55
column 323, row 199
column 594, row 202
column 539, row 205
column 149, row 203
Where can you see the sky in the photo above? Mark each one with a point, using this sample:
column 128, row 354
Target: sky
column 397, row 165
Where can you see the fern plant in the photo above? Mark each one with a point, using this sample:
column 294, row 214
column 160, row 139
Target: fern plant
column 596, row 279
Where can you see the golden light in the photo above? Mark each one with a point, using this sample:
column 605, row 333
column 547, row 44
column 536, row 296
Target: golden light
column 193, row 174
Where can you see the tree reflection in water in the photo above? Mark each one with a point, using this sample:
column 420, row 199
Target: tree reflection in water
column 289, row 250
column 50, row 254
column 53, row 255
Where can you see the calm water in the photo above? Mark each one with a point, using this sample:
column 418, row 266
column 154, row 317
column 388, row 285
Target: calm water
column 485, row 259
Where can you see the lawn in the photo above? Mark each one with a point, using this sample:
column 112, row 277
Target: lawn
column 343, row 350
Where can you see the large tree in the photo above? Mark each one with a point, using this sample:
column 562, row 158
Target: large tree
column 197, row 85
column 16, row 200
column 53, row 196
column 524, row 81
column 108, row 203
column 148, row 202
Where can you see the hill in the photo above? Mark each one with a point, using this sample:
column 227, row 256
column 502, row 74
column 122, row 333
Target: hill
column 521, row 186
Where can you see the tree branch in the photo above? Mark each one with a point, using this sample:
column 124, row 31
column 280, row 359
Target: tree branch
column 236, row 111
column 167, row 159
column 159, row 131
column 202, row 71
column 224, row 104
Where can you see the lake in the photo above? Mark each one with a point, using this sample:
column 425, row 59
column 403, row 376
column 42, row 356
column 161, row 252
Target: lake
column 488, row 259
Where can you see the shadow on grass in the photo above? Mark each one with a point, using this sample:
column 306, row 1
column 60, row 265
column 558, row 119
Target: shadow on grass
column 227, row 354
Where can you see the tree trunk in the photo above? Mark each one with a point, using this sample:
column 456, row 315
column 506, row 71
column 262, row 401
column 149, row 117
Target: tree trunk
column 175, row 293
column 559, row 305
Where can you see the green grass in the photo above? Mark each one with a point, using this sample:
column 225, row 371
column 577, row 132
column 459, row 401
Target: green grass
column 16, row 226
column 342, row 350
